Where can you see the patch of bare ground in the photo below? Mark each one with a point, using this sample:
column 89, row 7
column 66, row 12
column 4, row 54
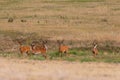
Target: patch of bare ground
column 17, row 69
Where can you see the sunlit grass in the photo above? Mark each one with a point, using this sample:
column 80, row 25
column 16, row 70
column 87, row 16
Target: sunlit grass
column 77, row 21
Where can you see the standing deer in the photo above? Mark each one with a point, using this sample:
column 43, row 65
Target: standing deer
column 95, row 50
column 39, row 49
column 63, row 49
column 24, row 49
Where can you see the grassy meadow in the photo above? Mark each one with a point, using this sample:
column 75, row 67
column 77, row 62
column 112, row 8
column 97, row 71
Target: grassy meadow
column 78, row 22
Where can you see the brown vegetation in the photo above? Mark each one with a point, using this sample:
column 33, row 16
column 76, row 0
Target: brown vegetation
column 16, row 69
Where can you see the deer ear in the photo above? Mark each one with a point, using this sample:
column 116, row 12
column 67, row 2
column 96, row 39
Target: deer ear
column 58, row 41
column 62, row 41
column 95, row 42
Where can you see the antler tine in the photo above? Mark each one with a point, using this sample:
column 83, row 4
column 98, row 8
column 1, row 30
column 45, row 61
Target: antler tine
column 35, row 42
column 44, row 41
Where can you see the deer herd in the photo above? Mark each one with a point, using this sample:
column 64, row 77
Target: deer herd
column 41, row 48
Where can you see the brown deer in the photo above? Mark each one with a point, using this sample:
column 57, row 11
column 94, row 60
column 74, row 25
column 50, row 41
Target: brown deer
column 63, row 49
column 95, row 50
column 24, row 49
column 39, row 49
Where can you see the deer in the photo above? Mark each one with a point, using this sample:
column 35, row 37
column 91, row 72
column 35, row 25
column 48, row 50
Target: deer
column 63, row 49
column 24, row 49
column 39, row 49
column 95, row 50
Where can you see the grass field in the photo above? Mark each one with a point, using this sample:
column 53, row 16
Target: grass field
column 78, row 22
column 22, row 69
column 68, row 19
column 74, row 55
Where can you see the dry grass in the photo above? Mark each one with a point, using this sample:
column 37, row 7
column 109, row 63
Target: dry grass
column 79, row 22
column 76, row 21
column 69, row 20
column 15, row 69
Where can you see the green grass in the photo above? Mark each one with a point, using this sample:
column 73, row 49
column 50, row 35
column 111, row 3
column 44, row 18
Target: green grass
column 79, row 53
column 69, row 59
column 88, row 59
column 109, row 58
column 74, row 55
column 10, row 55
column 36, row 57
column 53, row 55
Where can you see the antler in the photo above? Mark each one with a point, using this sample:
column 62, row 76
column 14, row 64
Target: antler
column 44, row 42
column 34, row 43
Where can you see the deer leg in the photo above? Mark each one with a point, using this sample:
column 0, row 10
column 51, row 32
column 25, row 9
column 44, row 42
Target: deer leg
column 26, row 52
column 94, row 55
column 65, row 53
column 61, row 54
column 45, row 55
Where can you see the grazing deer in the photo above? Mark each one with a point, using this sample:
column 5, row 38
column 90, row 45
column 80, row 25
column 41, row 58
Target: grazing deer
column 63, row 49
column 95, row 50
column 24, row 49
column 39, row 49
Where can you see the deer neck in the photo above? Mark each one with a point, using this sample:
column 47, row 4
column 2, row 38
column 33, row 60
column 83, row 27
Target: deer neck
column 45, row 47
column 20, row 45
column 60, row 45
column 32, row 47
column 95, row 46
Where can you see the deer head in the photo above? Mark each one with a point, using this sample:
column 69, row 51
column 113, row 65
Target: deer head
column 60, row 42
column 44, row 44
column 95, row 44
